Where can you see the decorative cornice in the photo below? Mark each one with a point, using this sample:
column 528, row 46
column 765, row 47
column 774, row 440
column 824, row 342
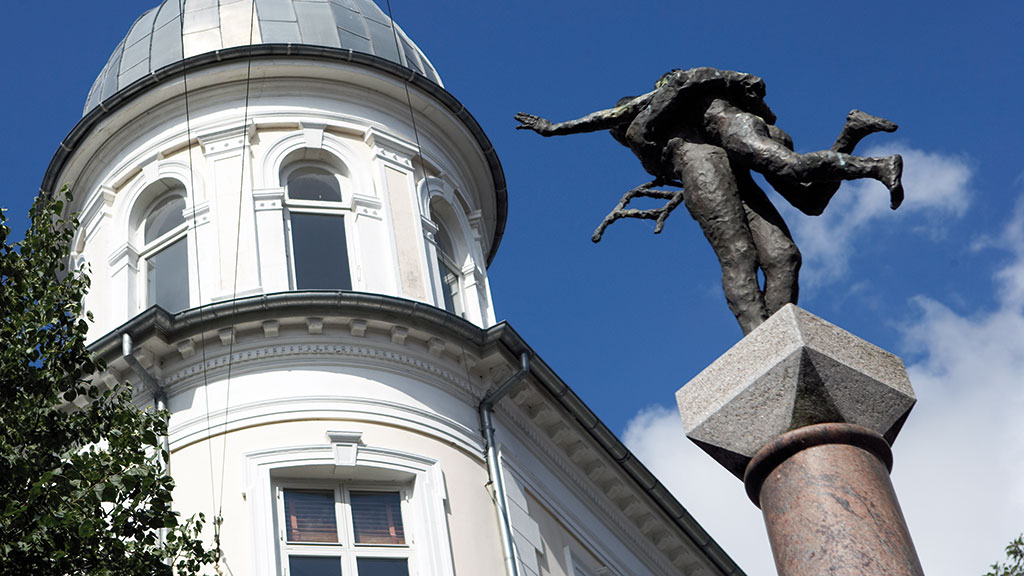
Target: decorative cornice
column 198, row 213
column 125, row 255
column 226, row 141
column 277, row 410
column 380, row 140
column 268, row 199
column 193, row 375
column 365, row 205
column 99, row 205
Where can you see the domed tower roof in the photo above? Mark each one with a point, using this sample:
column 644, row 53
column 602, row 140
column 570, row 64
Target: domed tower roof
column 155, row 40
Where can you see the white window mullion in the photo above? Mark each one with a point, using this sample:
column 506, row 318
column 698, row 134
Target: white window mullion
column 304, row 511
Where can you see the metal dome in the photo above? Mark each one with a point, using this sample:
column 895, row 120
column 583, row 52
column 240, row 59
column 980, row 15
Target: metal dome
column 155, row 40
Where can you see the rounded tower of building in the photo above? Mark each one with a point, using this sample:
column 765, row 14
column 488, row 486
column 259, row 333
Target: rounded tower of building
column 324, row 155
column 288, row 221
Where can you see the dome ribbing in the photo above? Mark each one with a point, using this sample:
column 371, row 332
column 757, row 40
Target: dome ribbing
column 155, row 40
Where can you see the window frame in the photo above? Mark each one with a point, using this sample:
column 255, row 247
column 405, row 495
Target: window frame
column 447, row 264
column 346, row 549
column 149, row 250
column 341, row 208
column 345, row 460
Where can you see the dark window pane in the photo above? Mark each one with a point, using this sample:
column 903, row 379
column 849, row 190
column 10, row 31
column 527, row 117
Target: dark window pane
column 309, row 516
column 167, row 277
column 167, row 216
column 320, row 253
column 382, row 566
column 314, row 184
column 447, row 281
column 314, row 566
column 444, row 241
column 377, row 518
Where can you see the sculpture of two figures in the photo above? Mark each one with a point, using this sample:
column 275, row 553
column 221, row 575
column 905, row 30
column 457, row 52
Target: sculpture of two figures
column 702, row 131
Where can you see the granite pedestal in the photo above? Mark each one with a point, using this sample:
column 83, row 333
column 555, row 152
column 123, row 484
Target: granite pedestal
column 804, row 412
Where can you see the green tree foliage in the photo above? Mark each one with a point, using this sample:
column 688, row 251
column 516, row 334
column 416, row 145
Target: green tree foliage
column 82, row 491
column 1014, row 565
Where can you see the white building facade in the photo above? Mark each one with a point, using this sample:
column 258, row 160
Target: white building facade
column 288, row 240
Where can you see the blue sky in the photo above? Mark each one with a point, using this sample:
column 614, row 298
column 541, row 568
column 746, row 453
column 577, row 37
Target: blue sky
column 627, row 321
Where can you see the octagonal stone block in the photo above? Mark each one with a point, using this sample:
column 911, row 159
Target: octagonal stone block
column 794, row 370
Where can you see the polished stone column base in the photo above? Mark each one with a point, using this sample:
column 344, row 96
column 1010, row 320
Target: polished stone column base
column 829, row 505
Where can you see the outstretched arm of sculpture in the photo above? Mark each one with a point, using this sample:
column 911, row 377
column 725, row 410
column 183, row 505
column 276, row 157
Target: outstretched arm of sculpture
column 600, row 120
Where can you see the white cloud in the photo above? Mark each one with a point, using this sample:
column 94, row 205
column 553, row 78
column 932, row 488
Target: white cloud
column 961, row 457
column 715, row 497
column 937, row 185
column 1011, row 278
column 958, row 462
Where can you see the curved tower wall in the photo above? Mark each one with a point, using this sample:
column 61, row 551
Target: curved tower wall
column 354, row 123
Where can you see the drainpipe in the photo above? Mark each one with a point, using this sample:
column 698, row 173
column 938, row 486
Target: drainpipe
column 154, row 387
column 159, row 397
column 494, row 466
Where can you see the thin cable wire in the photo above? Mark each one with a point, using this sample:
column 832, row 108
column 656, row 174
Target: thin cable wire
column 238, row 237
column 198, row 260
column 408, row 99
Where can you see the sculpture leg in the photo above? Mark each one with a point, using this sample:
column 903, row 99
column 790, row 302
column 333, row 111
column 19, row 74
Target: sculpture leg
column 776, row 251
column 858, row 126
column 813, row 197
column 749, row 144
column 712, row 197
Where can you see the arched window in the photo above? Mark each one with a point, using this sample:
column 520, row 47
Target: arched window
column 449, row 271
column 316, row 225
column 164, row 255
column 313, row 183
column 448, row 266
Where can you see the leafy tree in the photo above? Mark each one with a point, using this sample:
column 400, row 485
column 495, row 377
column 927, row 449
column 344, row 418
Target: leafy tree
column 1014, row 565
column 82, row 487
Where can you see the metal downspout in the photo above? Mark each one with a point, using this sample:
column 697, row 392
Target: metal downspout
column 154, row 387
column 159, row 398
column 494, row 466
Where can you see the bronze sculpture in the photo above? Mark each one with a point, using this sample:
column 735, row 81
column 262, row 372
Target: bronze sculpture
column 703, row 130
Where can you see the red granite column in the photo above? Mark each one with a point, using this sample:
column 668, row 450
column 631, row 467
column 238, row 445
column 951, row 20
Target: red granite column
column 829, row 505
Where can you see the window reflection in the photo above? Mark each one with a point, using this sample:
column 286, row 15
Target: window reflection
column 165, row 251
column 382, row 567
column 166, row 216
column 167, row 277
column 314, row 566
column 320, row 252
column 448, row 269
column 319, row 249
column 313, row 183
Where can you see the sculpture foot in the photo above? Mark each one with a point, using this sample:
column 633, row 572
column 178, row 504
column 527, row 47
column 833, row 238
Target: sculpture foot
column 861, row 123
column 892, row 177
